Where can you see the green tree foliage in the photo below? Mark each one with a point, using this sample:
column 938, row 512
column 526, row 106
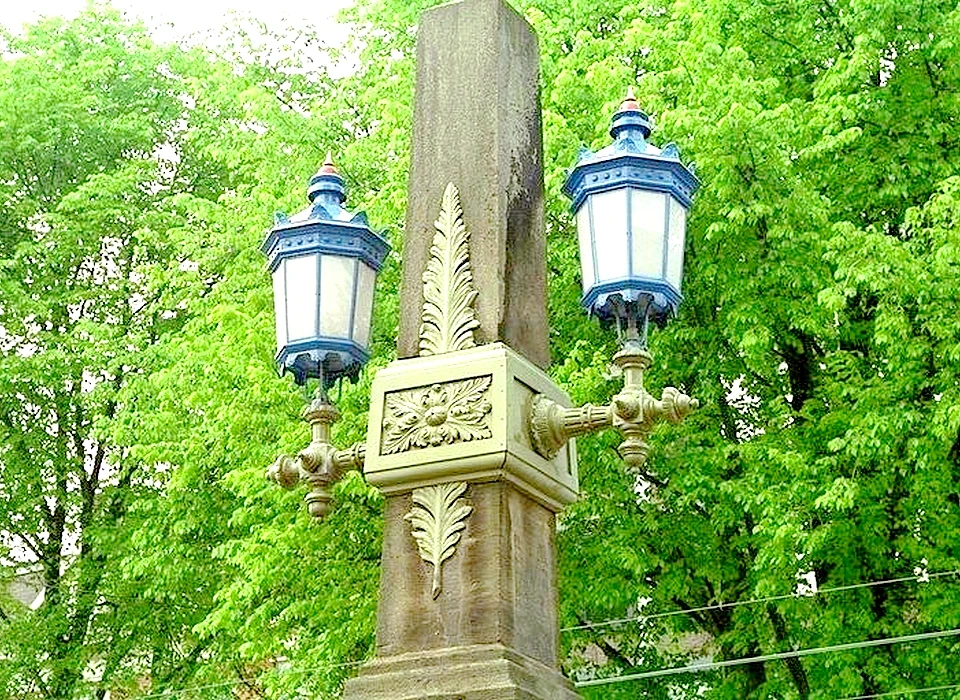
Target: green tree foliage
column 136, row 305
column 95, row 195
column 138, row 405
column 825, row 136
column 122, row 165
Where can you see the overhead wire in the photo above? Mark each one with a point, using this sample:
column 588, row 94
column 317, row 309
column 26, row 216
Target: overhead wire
column 920, row 578
column 903, row 639
column 776, row 656
column 923, row 578
column 917, row 578
column 644, row 675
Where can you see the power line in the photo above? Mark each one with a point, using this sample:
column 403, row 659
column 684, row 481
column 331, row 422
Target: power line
column 649, row 674
column 769, row 599
column 686, row 669
column 711, row 666
column 894, row 693
column 921, row 578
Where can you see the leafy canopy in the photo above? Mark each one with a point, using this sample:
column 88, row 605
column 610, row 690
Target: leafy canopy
column 819, row 330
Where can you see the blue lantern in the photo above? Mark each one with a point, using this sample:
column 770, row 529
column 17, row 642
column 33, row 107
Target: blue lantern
column 324, row 262
column 630, row 201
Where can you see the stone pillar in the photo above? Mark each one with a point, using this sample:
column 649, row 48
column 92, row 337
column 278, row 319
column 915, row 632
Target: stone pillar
column 477, row 124
column 484, row 627
column 468, row 595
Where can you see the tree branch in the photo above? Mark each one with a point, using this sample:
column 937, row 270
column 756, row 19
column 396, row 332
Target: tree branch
column 794, row 665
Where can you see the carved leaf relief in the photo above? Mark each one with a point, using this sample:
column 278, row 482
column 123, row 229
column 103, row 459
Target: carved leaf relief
column 448, row 294
column 438, row 518
column 441, row 414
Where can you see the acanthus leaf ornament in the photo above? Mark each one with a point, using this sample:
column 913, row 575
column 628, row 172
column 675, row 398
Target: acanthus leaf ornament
column 439, row 414
column 438, row 519
column 448, row 317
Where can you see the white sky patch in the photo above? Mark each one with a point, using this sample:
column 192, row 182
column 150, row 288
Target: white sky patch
column 177, row 19
column 285, row 31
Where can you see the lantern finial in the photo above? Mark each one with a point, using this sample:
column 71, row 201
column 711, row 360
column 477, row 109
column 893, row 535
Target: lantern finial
column 328, row 165
column 326, row 187
column 630, row 122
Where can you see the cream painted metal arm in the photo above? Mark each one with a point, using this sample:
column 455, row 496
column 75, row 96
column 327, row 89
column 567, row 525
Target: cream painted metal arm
column 634, row 412
column 551, row 424
column 320, row 464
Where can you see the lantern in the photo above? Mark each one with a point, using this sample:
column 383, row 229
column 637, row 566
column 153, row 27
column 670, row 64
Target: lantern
column 630, row 201
column 324, row 262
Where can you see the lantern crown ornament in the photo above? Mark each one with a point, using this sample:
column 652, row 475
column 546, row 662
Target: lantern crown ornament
column 324, row 261
column 630, row 201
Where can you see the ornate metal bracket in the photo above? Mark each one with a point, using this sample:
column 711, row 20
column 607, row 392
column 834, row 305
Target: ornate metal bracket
column 633, row 411
column 320, row 464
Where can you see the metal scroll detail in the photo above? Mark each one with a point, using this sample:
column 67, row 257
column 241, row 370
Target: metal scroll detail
column 448, row 317
column 440, row 414
column 438, row 518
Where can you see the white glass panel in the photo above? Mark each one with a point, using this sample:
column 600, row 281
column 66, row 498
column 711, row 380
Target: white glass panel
column 361, row 322
column 279, row 309
column 586, row 246
column 336, row 295
column 609, row 210
column 678, row 226
column 649, row 217
column 301, row 296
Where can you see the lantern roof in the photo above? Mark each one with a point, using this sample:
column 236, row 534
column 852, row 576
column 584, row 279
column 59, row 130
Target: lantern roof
column 325, row 224
column 630, row 161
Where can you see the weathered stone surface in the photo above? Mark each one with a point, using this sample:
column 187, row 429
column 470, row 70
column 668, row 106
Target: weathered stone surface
column 492, row 631
column 486, row 627
column 480, row 672
column 498, row 588
column 477, row 125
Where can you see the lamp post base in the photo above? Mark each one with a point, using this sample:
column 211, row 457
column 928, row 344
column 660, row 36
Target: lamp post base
column 476, row 672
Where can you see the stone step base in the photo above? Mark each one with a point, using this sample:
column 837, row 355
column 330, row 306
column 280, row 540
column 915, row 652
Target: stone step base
column 480, row 672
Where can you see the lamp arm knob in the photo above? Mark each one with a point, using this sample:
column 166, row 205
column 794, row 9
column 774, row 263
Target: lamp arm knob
column 320, row 463
column 636, row 413
column 326, row 465
column 676, row 405
column 285, row 471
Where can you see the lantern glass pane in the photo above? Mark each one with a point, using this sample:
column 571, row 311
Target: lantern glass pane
column 301, row 296
column 363, row 316
column 609, row 213
column 648, row 214
column 336, row 295
column 586, row 246
column 279, row 308
column 678, row 226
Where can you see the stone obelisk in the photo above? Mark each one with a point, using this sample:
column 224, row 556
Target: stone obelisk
column 477, row 124
column 468, row 602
